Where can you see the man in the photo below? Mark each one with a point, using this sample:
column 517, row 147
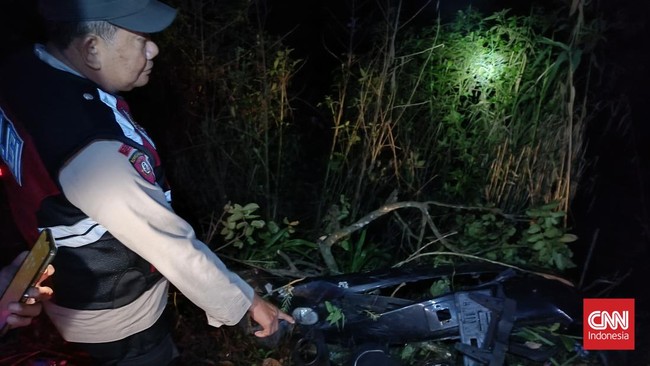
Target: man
column 86, row 170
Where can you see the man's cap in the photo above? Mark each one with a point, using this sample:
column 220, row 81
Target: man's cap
column 146, row 16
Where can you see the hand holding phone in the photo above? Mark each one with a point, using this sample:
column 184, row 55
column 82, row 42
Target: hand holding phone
column 33, row 269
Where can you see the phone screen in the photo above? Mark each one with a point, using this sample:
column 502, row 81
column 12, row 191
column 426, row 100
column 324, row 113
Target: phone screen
column 28, row 274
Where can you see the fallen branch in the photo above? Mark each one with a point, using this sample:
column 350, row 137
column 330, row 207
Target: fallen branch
column 325, row 244
column 463, row 255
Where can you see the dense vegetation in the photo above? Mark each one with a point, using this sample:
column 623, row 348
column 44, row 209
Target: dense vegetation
column 463, row 137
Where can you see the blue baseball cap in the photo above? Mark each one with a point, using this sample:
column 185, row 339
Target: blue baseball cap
column 146, row 16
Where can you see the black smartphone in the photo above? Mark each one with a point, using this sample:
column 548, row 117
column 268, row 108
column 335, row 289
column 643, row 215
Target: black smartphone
column 28, row 274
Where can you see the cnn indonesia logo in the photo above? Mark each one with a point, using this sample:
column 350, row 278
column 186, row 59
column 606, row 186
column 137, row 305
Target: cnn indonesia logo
column 608, row 324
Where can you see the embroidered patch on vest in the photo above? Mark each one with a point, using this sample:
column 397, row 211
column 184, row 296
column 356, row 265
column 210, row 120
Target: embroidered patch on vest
column 140, row 162
column 125, row 150
column 11, row 147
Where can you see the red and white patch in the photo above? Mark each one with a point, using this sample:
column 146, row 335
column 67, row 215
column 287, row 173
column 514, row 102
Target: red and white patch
column 126, row 150
column 140, row 162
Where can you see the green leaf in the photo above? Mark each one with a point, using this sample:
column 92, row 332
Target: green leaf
column 258, row 224
column 568, row 238
column 345, row 244
column 439, row 287
column 329, row 306
column 539, row 245
column 407, row 352
column 567, row 342
column 272, row 227
column 576, row 56
column 488, row 217
column 236, row 216
column 250, row 207
column 551, row 221
column 534, row 228
column 554, row 327
column 552, row 232
column 550, row 206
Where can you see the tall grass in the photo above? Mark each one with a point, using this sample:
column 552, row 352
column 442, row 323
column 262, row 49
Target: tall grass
column 236, row 115
column 485, row 111
column 479, row 111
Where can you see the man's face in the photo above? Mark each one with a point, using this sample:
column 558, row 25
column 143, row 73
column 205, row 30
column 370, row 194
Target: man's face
column 126, row 60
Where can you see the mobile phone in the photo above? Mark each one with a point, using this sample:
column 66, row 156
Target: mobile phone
column 28, row 274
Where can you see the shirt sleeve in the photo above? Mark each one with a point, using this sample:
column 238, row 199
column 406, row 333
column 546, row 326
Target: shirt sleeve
column 102, row 183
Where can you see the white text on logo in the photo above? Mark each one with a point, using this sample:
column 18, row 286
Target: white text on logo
column 599, row 320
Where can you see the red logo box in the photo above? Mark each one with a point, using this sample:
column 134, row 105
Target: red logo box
column 608, row 324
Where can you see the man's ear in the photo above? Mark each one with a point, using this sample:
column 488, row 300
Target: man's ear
column 90, row 51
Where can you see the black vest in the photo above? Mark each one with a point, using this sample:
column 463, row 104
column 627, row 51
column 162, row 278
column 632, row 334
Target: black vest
column 47, row 116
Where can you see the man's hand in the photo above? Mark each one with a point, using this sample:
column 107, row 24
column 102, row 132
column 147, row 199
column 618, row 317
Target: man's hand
column 267, row 316
column 23, row 313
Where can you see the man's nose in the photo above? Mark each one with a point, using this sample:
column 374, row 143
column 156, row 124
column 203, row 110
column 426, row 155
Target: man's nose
column 151, row 50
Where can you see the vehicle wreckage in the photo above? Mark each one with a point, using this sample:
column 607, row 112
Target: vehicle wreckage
column 481, row 310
